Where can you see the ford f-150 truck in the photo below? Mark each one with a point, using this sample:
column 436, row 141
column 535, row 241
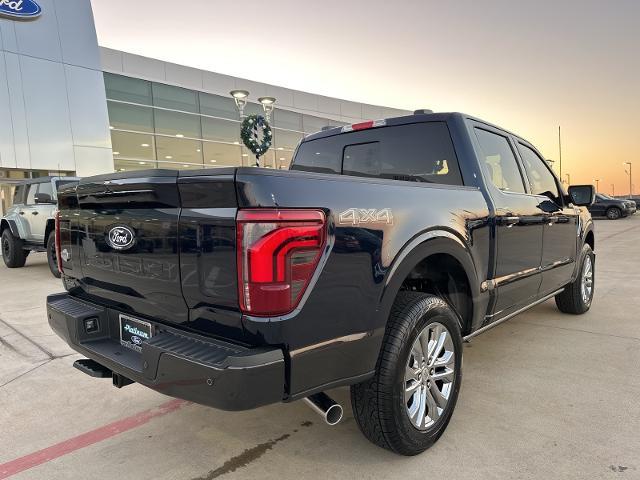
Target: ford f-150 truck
column 385, row 246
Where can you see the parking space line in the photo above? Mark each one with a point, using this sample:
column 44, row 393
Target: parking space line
column 89, row 438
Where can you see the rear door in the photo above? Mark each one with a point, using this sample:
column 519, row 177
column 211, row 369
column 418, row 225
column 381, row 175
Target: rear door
column 41, row 212
column 127, row 236
column 518, row 223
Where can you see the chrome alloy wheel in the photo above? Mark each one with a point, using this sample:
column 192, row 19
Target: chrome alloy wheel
column 586, row 285
column 429, row 375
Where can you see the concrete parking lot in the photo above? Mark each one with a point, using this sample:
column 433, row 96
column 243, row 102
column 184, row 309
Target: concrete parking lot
column 544, row 395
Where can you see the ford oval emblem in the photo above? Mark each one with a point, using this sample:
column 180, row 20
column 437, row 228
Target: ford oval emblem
column 19, row 9
column 121, row 237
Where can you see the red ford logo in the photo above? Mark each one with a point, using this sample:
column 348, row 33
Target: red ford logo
column 120, row 237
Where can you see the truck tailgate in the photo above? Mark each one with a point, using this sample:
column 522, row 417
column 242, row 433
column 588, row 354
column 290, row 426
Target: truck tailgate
column 127, row 241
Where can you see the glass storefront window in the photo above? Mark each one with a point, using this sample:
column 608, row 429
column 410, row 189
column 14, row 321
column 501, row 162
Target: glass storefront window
column 222, row 130
column 313, row 124
column 133, row 145
column 283, row 159
column 288, row 120
column 222, row 155
column 181, row 132
column 286, row 139
column 253, row 109
column 175, row 98
column 129, row 165
column 177, row 124
column 218, row 106
column 127, row 89
column 130, row 117
column 179, row 150
column 179, row 166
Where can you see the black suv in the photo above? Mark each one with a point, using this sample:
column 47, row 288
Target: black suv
column 612, row 208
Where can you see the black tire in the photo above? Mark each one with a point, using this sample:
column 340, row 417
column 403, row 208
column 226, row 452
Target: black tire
column 13, row 253
column 613, row 213
column 51, row 255
column 571, row 300
column 379, row 404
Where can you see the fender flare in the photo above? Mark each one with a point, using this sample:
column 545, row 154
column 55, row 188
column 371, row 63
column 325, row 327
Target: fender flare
column 12, row 227
column 417, row 249
column 51, row 225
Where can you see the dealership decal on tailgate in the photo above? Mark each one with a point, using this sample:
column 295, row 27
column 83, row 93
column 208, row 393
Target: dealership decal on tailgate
column 134, row 332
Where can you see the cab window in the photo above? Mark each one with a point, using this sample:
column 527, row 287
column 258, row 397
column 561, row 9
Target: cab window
column 499, row 161
column 541, row 179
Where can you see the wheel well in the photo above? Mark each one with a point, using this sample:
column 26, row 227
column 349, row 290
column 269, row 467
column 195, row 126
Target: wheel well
column 589, row 240
column 442, row 275
column 3, row 225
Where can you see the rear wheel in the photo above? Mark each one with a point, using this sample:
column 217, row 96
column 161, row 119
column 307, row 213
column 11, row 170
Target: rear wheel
column 577, row 296
column 408, row 403
column 52, row 257
column 614, row 213
column 12, row 252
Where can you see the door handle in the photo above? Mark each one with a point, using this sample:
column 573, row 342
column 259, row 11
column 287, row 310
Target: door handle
column 509, row 221
column 21, row 213
column 34, row 213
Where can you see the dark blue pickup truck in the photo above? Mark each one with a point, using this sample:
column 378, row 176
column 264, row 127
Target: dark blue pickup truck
column 368, row 263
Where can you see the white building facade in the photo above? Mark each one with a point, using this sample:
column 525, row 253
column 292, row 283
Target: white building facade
column 70, row 106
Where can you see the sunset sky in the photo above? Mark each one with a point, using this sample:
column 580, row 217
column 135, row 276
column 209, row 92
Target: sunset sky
column 527, row 66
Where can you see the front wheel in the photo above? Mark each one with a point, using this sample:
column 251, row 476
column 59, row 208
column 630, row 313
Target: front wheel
column 576, row 298
column 52, row 257
column 408, row 403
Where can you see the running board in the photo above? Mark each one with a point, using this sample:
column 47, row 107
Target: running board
column 511, row 315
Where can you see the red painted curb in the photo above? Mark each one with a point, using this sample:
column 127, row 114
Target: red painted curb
column 89, row 438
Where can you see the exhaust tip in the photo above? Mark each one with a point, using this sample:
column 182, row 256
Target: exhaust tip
column 326, row 407
column 334, row 414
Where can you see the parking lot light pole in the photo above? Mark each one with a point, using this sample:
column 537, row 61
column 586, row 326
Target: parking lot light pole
column 613, row 190
column 629, row 173
column 568, row 179
column 597, row 180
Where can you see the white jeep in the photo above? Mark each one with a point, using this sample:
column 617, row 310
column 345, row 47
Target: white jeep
column 29, row 224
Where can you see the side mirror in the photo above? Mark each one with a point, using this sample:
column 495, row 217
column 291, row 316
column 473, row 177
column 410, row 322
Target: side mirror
column 582, row 195
column 43, row 198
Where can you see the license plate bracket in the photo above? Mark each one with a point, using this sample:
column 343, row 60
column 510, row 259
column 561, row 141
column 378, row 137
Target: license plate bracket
column 134, row 332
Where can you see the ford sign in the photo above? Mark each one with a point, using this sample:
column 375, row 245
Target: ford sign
column 19, row 9
column 120, row 237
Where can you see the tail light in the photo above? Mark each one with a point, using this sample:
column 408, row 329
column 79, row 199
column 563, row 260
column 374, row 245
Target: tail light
column 278, row 253
column 58, row 247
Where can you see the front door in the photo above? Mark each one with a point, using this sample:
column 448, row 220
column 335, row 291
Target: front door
column 518, row 225
column 561, row 221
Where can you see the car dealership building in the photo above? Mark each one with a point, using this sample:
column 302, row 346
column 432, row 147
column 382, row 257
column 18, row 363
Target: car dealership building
column 70, row 106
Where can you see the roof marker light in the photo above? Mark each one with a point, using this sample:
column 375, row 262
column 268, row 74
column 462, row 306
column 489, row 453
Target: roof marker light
column 364, row 125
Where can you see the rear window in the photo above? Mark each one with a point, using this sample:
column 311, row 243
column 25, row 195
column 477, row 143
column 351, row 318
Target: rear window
column 418, row 152
column 18, row 195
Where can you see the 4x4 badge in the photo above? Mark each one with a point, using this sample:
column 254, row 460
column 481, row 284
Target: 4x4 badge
column 359, row 216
